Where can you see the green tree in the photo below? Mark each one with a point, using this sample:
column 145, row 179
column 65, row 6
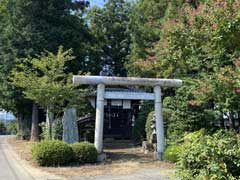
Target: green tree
column 145, row 24
column 220, row 89
column 186, row 116
column 27, row 28
column 199, row 44
column 111, row 36
column 44, row 81
column 204, row 47
column 150, row 21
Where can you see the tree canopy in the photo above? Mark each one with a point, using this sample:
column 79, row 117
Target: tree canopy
column 112, row 37
column 44, row 80
column 30, row 27
column 200, row 45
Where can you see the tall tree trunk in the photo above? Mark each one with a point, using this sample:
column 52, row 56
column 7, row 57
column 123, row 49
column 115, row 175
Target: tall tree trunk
column 49, row 120
column 222, row 121
column 231, row 120
column 238, row 127
column 35, row 121
column 21, row 126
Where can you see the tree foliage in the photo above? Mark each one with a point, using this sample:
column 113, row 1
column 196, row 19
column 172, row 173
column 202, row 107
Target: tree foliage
column 27, row 28
column 44, row 80
column 30, row 27
column 145, row 24
column 210, row 157
column 198, row 42
column 110, row 29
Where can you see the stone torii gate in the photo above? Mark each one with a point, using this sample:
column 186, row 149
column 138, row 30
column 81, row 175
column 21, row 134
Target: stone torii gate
column 101, row 81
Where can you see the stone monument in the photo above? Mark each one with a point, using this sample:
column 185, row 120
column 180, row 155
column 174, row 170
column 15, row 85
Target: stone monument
column 70, row 129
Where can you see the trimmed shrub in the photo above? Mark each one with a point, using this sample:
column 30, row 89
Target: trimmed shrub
column 52, row 153
column 213, row 157
column 172, row 153
column 84, row 152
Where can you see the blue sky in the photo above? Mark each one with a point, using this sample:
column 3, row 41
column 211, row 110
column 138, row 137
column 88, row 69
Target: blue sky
column 7, row 116
column 101, row 2
column 96, row 2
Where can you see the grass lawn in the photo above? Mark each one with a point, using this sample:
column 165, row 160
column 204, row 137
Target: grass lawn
column 119, row 161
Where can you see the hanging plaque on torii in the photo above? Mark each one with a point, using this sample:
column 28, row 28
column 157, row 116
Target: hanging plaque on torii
column 102, row 81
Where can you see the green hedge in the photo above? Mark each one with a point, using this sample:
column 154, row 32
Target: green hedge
column 56, row 152
column 172, row 153
column 210, row 157
column 84, row 152
column 52, row 153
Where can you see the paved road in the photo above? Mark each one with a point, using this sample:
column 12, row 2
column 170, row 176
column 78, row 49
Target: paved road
column 13, row 168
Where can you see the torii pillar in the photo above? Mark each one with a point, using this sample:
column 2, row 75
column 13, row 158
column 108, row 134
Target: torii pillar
column 98, row 136
column 101, row 81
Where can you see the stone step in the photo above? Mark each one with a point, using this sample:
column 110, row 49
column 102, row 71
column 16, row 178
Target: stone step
column 110, row 140
column 112, row 143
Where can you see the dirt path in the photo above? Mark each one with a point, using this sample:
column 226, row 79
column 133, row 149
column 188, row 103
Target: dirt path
column 153, row 174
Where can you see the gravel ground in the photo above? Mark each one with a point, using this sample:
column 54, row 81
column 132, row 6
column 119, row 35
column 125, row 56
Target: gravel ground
column 126, row 164
column 153, row 174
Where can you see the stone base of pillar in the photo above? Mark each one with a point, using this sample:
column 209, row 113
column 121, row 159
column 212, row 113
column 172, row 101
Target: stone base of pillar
column 101, row 157
column 158, row 156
